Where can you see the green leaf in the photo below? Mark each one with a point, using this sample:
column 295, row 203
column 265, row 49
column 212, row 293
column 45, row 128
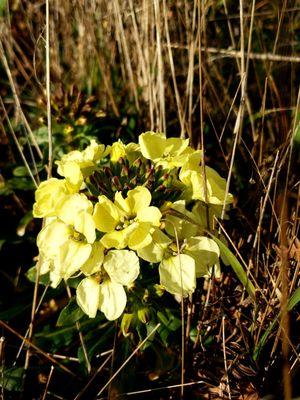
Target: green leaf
column 237, row 267
column 170, row 324
column 3, row 4
column 18, row 183
column 263, row 339
column 193, row 334
column 53, row 339
column 70, row 314
column 20, row 171
column 169, row 320
column 11, row 379
column 297, row 135
column 294, row 299
column 43, row 279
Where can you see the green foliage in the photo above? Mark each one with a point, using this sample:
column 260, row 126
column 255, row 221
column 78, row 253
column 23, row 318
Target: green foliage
column 31, row 275
column 11, row 379
column 237, row 267
column 70, row 314
column 294, row 299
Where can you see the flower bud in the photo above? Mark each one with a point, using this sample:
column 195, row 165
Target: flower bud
column 124, row 171
column 144, row 315
column 126, row 322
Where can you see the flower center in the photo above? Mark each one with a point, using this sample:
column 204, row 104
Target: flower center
column 77, row 236
column 124, row 223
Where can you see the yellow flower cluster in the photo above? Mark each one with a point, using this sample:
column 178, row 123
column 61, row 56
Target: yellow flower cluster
column 107, row 232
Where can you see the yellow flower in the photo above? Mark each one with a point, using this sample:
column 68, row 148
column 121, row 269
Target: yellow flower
column 76, row 210
column 206, row 253
column 62, row 249
column 191, row 175
column 199, row 257
column 105, row 291
column 117, row 151
column 214, row 211
column 65, row 244
column 131, row 151
column 181, row 225
column 48, row 196
column 170, row 153
column 154, row 252
column 95, row 260
column 178, row 274
column 77, row 165
column 127, row 222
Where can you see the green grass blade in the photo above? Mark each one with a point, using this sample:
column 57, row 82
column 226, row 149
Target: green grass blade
column 237, row 267
column 294, row 299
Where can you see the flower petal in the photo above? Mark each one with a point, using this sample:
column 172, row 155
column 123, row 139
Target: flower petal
column 138, row 198
column 179, row 226
column 72, row 205
column 94, row 152
column 87, row 296
column 71, row 256
column 106, row 215
column 117, row 239
column 152, row 145
column 51, row 237
column 154, row 252
column 177, row 274
column 205, row 252
column 149, row 214
column 133, row 152
column 122, row 266
column 217, row 187
column 47, row 196
column 94, row 262
column 176, row 146
column 84, row 223
column 140, row 237
column 117, row 151
column 72, row 172
column 122, row 204
column 112, row 299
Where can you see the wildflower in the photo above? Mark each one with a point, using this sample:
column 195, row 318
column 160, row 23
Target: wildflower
column 65, row 243
column 117, row 151
column 205, row 253
column 155, row 250
column 77, row 165
column 76, row 210
column 198, row 257
column 48, row 196
column 191, row 174
column 184, row 224
column 178, row 274
column 131, row 151
column 170, row 153
column 106, row 291
column 63, row 251
column 127, row 222
column 101, row 240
